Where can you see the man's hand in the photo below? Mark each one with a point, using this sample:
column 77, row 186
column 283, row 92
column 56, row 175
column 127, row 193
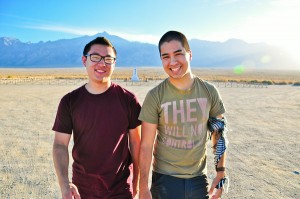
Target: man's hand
column 216, row 194
column 145, row 194
column 71, row 192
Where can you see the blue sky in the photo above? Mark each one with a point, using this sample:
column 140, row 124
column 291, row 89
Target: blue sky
column 274, row 22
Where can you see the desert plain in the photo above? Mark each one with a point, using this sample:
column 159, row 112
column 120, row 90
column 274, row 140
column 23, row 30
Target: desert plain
column 264, row 137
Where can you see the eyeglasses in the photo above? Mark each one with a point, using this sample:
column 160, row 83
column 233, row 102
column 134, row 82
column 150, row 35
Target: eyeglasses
column 98, row 58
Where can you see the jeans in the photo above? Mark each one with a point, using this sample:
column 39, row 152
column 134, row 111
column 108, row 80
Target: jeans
column 169, row 187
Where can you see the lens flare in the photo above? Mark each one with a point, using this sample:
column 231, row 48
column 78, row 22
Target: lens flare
column 239, row 69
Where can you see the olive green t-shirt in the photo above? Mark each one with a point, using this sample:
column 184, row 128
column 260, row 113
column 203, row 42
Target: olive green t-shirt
column 181, row 117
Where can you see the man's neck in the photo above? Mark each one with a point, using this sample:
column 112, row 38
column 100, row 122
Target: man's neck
column 97, row 87
column 184, row 83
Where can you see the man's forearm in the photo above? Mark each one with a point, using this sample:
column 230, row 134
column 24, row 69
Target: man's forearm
column 222, row 161
column 215, row 137
column 134, row 145
column 61, row 164
column 135, row 148
column 145, row 162
column 135, row 164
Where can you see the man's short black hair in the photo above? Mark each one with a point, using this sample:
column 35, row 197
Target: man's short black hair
column 174, row 35
column 98, row 40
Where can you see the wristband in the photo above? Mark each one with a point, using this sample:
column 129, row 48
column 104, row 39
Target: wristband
column 220, row 169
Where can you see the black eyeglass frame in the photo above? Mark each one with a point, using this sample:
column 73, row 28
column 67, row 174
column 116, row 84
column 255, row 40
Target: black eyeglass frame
column 101, row 57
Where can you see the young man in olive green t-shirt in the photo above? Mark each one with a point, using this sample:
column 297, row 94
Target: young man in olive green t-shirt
column 177, row 112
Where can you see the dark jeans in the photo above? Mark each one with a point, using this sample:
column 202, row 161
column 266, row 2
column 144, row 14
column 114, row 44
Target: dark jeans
column 169, row 187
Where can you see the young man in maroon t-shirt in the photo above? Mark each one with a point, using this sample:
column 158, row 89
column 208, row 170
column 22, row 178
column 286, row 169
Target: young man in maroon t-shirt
column 103, row 118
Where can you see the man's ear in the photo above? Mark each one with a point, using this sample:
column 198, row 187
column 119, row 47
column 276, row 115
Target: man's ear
column 191, row 55
column 83, row 59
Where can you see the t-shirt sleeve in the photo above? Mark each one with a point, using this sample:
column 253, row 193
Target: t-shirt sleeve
column 150, row 109
column 63, row 119
column 217, row 106
column 135, row 108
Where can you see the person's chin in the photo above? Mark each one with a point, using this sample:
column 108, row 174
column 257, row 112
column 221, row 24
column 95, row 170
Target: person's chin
column 100, row 78
column 176, row 76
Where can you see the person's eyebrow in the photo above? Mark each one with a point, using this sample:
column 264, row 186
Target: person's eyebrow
column 176, row 51
column 95, row 53
column 165, row 54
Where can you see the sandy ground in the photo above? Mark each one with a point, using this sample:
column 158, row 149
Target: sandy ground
column 263, row 155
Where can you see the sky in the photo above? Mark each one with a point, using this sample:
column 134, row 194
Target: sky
column 275, row 22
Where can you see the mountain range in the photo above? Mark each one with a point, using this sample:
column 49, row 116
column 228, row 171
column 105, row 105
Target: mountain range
column 68, row 52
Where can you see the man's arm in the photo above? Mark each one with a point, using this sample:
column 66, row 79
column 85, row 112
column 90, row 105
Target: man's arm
column 221, row 164
column 134, row 144
column 61, row 164
column 148, row 136
column 214, row 139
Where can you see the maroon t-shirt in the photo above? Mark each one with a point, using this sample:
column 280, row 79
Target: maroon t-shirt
column 100, row 124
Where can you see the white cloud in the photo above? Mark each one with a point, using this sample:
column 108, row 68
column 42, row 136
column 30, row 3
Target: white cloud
column 84, row 31
column 64, row 29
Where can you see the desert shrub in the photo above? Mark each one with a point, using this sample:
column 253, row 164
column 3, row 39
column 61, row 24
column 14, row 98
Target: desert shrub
column 220, row 80
column 281, row 83
column 253, row 81
column 267, row 82
column 296, row 84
